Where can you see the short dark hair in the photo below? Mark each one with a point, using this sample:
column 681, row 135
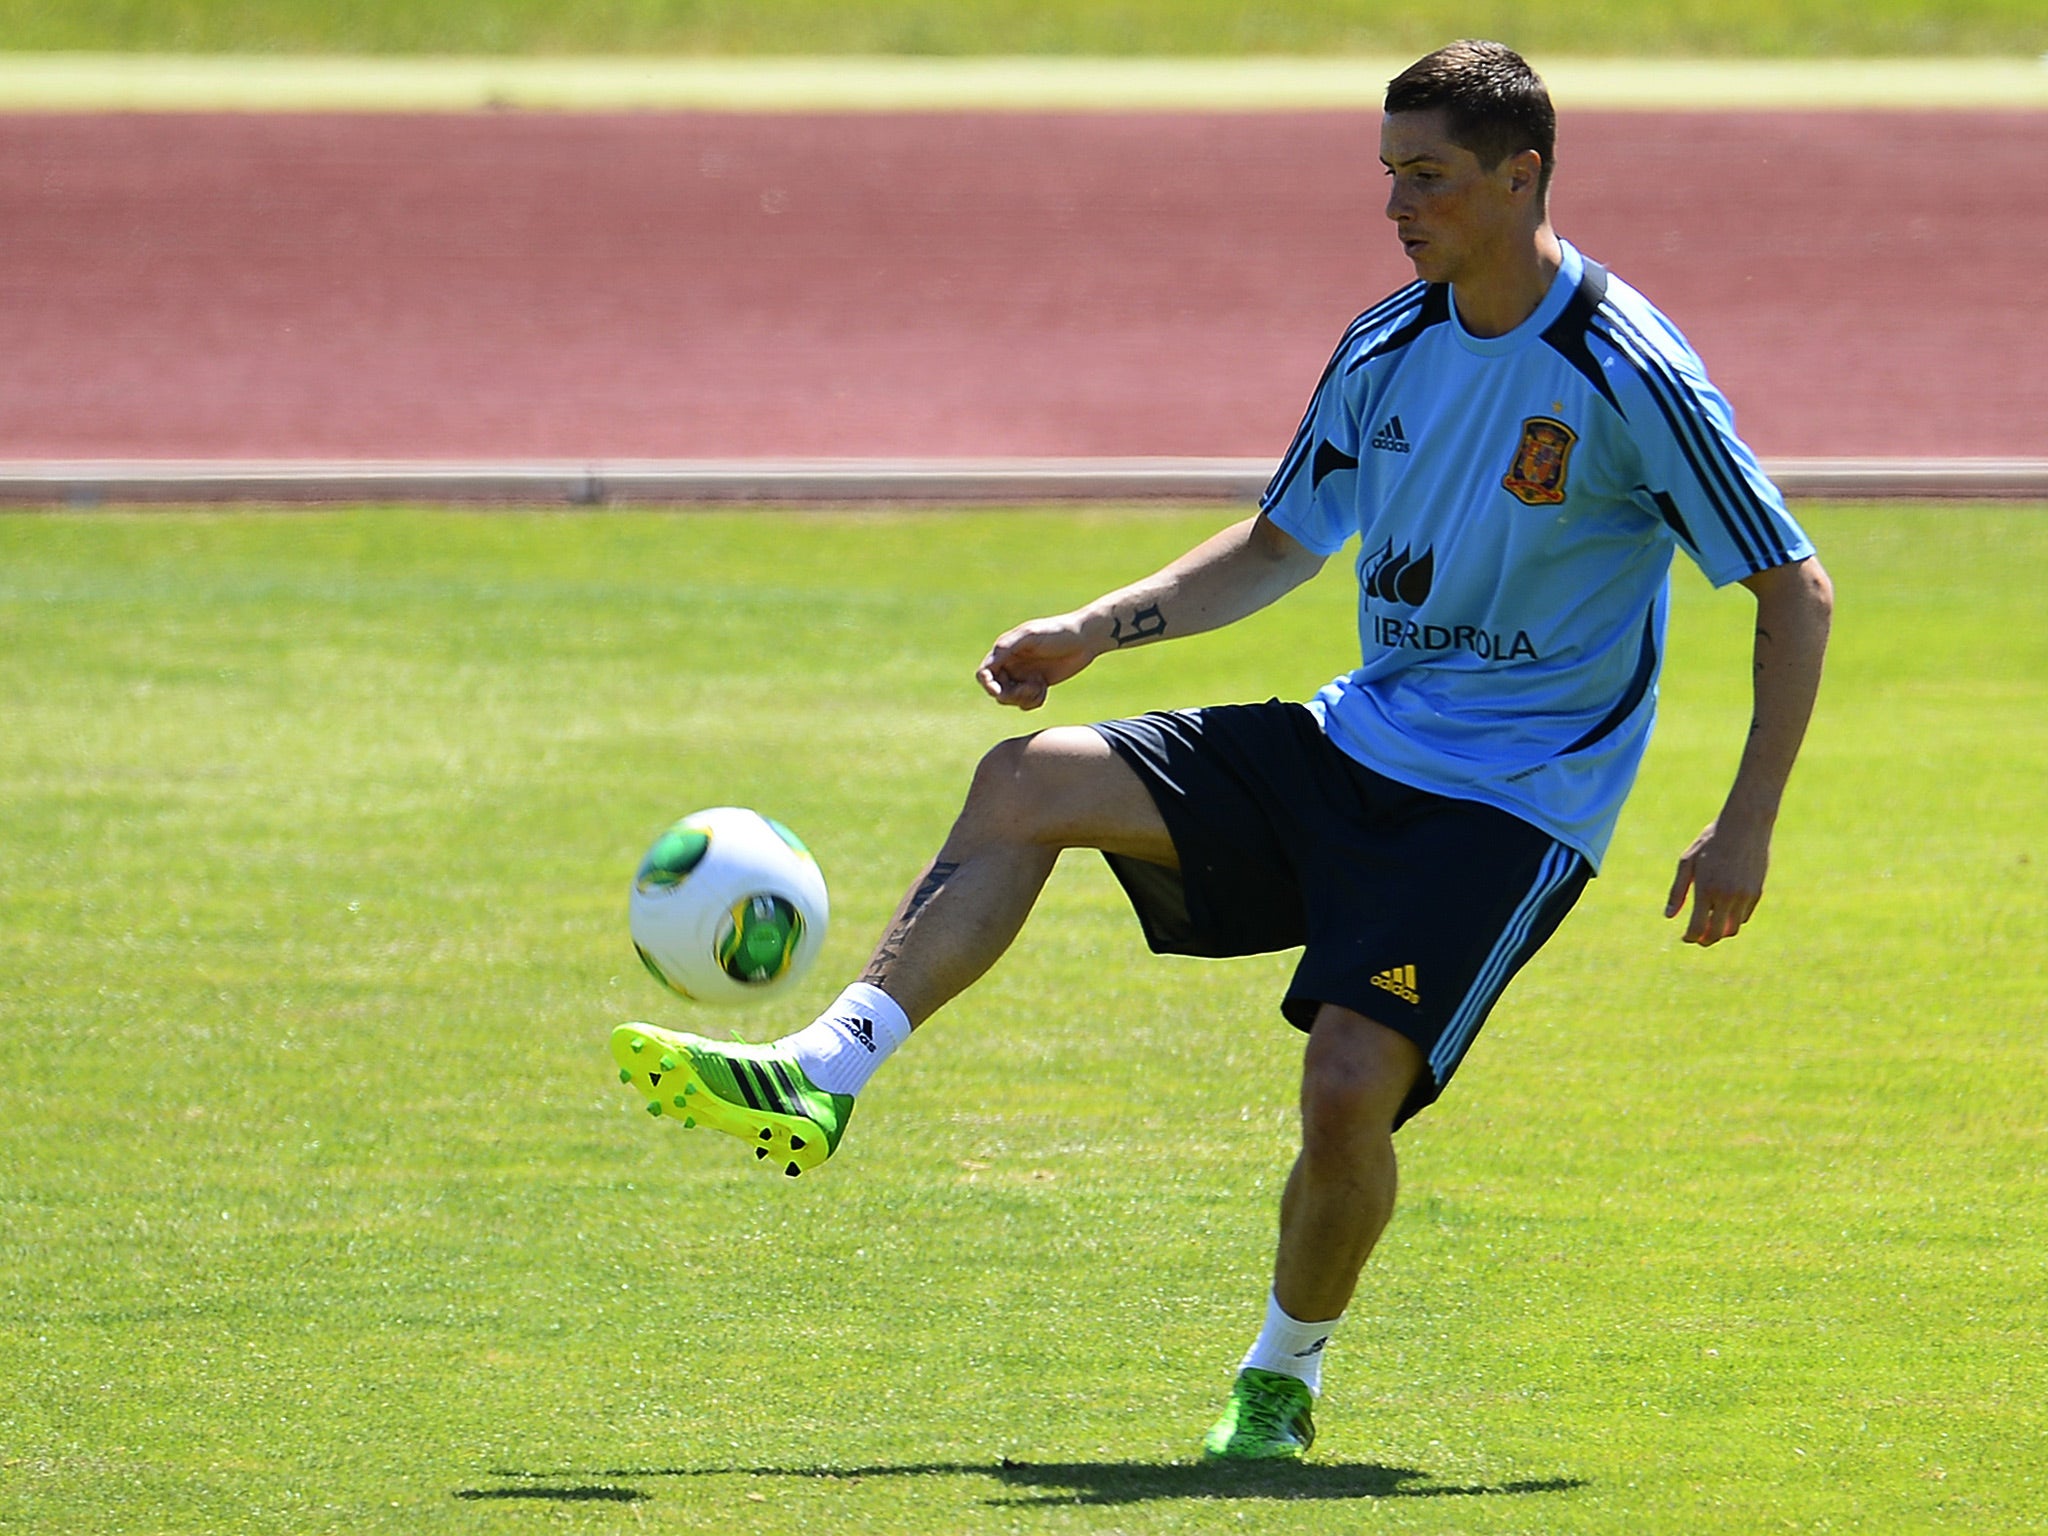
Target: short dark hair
column 1496, row 105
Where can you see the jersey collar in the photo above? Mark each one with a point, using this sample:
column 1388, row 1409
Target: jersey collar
column 1570, row 269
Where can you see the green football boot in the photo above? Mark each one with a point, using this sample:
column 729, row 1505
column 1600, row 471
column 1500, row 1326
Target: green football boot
column 1268, row 1419
column 755, row 1092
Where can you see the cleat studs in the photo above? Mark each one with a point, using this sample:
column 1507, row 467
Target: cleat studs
column 625, row 1076
column 767, row 1134
column 654, row 1106
column 689, row 1124
column 668, row 1063
column 792, row 1170
column 637, row 1046
column 796, row 1143
column 679, row 1101
column 760, row 1153
column 689, row 1087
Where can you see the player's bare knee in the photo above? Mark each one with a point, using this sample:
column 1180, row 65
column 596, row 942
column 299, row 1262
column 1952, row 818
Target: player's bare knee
column 1356, row 1075
column 1342, row 1110
column 1030, row 789
column 999, row 797
column 1009, row 800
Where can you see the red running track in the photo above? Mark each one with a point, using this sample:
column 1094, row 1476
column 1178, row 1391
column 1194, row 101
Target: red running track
column 711, row 286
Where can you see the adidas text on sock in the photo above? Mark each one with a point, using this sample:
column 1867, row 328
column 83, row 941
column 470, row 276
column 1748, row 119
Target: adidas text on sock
column 1290, row 1346
column 842, row 1047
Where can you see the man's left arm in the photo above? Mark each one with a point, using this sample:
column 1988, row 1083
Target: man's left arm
column 1724, row 868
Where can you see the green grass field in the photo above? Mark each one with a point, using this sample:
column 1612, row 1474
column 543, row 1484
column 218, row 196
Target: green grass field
column 1757, row 28
column 323, row 1210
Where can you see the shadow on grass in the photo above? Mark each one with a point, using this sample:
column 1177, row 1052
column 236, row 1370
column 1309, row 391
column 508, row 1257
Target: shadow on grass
column 1091, row 1482
column 1111, row 1483
column 584, row 1494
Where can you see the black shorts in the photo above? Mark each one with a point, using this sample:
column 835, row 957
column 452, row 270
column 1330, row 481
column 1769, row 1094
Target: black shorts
column 1413, row 908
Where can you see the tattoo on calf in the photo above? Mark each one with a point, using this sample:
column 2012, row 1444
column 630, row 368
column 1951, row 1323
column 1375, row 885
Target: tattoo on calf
column 1147, row 623
column 891, row 948
column 935, row 877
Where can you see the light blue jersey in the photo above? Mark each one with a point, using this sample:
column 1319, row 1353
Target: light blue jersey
column 1517, row 500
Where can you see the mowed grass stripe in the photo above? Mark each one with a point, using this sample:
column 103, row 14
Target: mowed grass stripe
column 1030, row 28
column 171, row 82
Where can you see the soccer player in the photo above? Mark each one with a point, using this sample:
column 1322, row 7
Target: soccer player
column 1519, row 442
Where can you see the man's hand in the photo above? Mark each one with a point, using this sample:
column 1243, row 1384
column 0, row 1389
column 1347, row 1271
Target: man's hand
column 1228, row 575
column 1724, row 871
column 1724, row 868
column 1024, row 664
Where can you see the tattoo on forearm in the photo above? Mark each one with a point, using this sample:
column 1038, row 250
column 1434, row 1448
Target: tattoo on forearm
column 1756, row 671
column 891, row 948
column 1147, row 623
column 1763, row 638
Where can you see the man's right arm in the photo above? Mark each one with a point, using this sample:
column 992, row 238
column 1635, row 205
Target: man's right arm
column 1221, row 580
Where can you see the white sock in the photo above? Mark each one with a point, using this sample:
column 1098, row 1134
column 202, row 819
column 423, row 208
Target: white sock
column 1290, row 1346
column 840, row 1050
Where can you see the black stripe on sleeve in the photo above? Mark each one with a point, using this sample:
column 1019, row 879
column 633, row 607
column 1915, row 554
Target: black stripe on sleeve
column 1329, row 459
column 1299, row 450
column 1757, row 514
column 1436, row 309
column 1673, row 518
column 1731, row 501
column 1567, row 333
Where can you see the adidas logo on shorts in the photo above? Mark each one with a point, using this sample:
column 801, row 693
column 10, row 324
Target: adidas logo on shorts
column 1400, row 980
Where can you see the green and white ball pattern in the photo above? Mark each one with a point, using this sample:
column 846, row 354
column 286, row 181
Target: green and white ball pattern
column 759, row 939
column 727, row 906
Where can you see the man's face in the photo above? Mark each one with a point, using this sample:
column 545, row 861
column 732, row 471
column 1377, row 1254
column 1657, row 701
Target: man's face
column 1453, row 216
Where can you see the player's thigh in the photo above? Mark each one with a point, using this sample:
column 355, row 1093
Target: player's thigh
column 1065, row 788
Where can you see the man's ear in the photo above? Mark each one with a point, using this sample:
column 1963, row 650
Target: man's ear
column 1525, row 171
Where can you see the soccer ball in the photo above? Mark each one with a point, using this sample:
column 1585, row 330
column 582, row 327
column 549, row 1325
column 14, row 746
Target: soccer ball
column 728, row 907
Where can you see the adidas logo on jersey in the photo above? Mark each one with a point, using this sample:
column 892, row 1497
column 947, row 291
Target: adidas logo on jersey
column 1399, row 980
column 1390, row 438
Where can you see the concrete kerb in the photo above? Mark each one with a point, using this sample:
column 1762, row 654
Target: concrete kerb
column 173, row 83
column 850, row 482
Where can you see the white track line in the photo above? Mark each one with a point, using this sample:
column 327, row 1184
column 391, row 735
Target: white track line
column 704, row 482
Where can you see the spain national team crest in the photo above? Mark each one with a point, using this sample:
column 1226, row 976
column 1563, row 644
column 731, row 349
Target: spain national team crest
column 1542, row 459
